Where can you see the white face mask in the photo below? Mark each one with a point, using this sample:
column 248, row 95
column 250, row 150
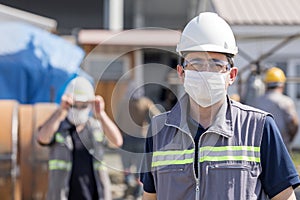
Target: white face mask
column 205, row 88
column 76, row 116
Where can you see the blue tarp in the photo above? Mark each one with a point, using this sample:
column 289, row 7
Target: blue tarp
column 35, row 65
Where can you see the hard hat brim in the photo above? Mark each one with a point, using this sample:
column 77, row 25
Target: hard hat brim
column 208, row 48
column 82, row 98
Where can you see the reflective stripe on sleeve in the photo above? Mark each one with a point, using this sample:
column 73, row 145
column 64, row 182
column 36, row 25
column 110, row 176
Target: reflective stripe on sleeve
column 59, row 165
column 59, row 138
column 99, row 136
column 230, row 153
column 99, row 166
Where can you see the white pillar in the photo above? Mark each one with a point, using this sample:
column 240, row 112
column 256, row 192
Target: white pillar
column 138, row 68
column 116, row 14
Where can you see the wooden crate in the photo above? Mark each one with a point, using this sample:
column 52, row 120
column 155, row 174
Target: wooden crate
column 9, row 176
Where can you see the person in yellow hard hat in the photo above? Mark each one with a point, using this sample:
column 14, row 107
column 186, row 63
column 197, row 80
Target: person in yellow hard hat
column 279, row 105
column 274, row 76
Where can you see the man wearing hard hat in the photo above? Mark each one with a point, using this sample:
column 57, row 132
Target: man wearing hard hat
column 208, row 146
column 76, row 144
column 281, row 106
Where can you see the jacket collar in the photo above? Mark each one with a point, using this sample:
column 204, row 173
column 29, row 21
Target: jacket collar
column 66, row 125
column 222, row 124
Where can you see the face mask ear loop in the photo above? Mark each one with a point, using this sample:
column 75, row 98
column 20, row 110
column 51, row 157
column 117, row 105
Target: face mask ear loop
column 225, row 78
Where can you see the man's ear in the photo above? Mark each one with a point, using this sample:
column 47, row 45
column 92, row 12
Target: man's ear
column 180, row 73
column 232, row 75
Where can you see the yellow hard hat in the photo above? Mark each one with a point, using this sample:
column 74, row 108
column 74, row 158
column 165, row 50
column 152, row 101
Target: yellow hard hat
column 275, row 75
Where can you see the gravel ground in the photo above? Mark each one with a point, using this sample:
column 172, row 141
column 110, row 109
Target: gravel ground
column 114, row 166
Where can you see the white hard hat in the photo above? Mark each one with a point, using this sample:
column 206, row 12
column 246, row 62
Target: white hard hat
column 80, row 89
column 207, row 32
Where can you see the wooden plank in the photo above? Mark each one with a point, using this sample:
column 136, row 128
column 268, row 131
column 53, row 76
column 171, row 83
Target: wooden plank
column 41, row 113
column 9, row 183
column 6, row 107
column 25, row 147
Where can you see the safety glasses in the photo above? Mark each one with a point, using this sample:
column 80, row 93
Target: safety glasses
column 212, row 65
column 80, row 106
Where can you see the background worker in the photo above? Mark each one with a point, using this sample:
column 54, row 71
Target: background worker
column 134, row 114
column 279, row 105
column 208, row 146
column 76, row 143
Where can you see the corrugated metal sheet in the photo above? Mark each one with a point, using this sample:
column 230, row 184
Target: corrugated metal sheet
column 259, row 12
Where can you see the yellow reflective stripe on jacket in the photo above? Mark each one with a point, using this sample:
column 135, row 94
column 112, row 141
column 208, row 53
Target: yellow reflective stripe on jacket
column 59, row 138
column 230, row 153
column 99, row 136
column 172, row 157
column 231, row 158
column 59, row 165
column 232, row 148
column 99, row 165
column 207, row 153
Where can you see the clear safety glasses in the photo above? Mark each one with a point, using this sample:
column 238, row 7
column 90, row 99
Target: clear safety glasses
column 80, row 105
column 211, row 65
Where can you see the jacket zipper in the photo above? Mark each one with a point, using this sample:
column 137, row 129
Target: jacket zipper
column 197, row 189
column 198, row 166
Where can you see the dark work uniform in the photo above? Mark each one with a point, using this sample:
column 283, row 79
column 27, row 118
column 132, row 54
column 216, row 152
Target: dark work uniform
column 277, row 174
column 82, row 181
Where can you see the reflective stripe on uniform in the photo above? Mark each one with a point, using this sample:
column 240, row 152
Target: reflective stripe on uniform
column 207, row 153
column 99, row 136
column 59, row 165
column 172, row 157
column 99, row 166
column 224, row 153
column 59, row 138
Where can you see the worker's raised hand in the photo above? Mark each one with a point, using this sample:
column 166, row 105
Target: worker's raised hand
column 66, row 102
column 99, row 106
